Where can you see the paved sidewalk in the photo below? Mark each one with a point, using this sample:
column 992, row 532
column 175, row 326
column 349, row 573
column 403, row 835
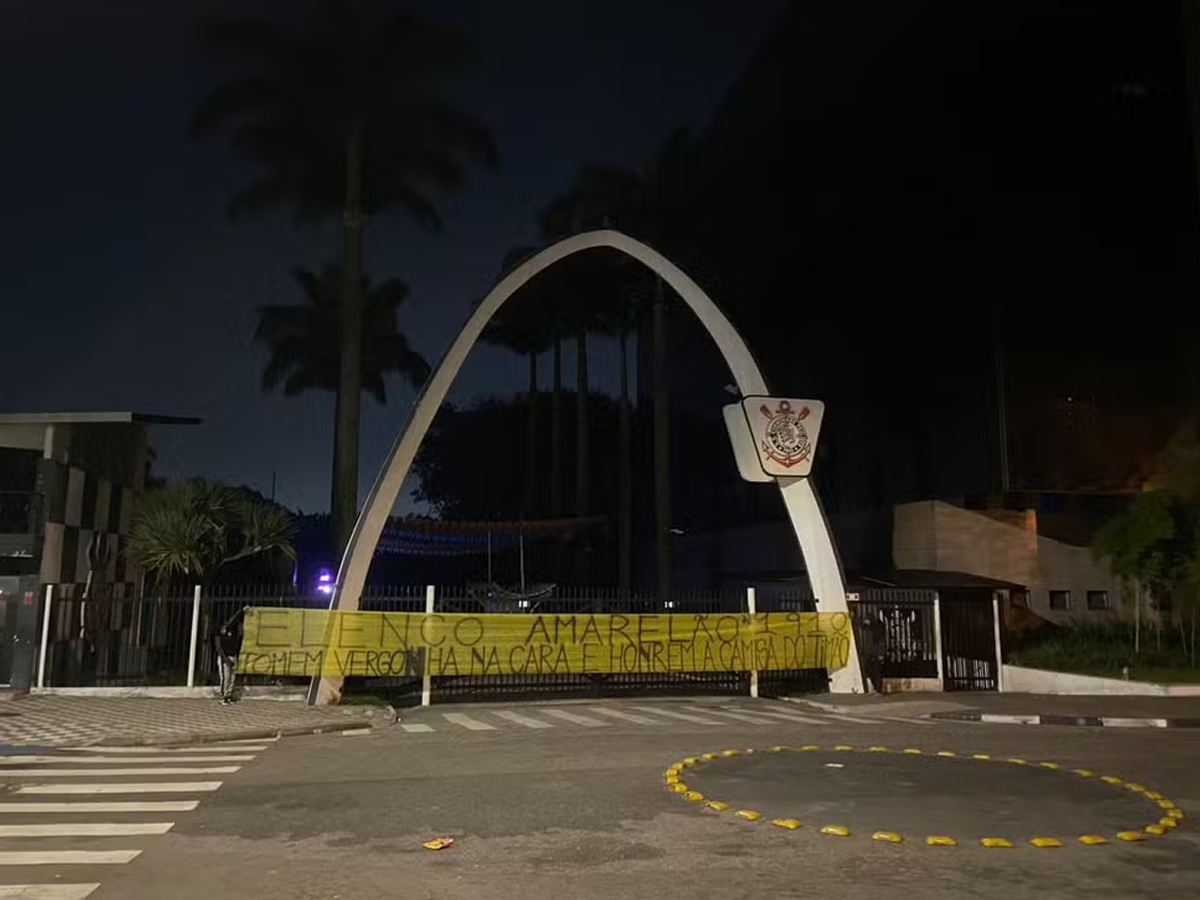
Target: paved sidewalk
column 59, row 721
column 1026, row 709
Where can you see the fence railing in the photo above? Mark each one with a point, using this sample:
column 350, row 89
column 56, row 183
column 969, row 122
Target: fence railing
column 167, row 640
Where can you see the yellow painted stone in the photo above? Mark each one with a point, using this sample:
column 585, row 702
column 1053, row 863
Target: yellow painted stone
column 672, row 779
column 1131, row 836
column 1166, row 804
column 913, row 751
column 718, row 805
column 1153, row 795
column 946, row 753
column 1139, row 788
column 786, row 823
column 1092, row 840
column 1083, row 773
column 941, row 841
column 836, row 830
column 1111, row 779
column 1155, row 829
column 810, row 747
column 710, row 756
column 1175, row 813
column 996, row 842
column 694, row 796
column 778, row 749
column 1013, row 759
column 731, row 752
column 842, row 747
column 877, row 749
column 748, row 814
column 1168, row 822
column 980, row 756
column 889, row 836
column 749, row 750
column 1048, row 765
column 1046, row 842
column 679, row 787
column 690, row 761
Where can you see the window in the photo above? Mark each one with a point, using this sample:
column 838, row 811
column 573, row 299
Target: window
column 1060, row 599
column 1097, row 599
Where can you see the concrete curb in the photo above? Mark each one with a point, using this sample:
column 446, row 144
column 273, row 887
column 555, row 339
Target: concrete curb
column 216, row 737
column 1093, row 721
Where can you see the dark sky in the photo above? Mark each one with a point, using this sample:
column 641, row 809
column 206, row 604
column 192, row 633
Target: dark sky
column 124, row 286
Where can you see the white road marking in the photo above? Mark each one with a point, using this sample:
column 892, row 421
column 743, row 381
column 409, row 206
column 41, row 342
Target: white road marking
column 1120, row 722
column 521, row 720
column 151, row 751
column 672, row 714
column 151, row 787
column 734, row 714
column 116, row 806
column 355, row 732
column 790, row 717
column 95, row 773
column 7, row 761
column 574, row 719
column 85, row 829
column 47, row 891
column 854, row 719
column 66, row 857
column 415, row 728
column 467, row 722
column 908, row 721
column 623, row 716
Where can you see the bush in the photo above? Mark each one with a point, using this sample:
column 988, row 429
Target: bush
column 1100, row 648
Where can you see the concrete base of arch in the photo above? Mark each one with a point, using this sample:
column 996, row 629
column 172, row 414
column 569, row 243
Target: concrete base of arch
column 799, row 497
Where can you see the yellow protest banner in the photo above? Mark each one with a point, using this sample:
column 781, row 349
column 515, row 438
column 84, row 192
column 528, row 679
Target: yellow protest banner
column 305, row 642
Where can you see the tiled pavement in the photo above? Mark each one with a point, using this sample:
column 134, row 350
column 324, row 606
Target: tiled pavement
column 57, row 720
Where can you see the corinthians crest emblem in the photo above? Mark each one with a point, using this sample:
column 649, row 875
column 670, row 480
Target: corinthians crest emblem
column 786, row 440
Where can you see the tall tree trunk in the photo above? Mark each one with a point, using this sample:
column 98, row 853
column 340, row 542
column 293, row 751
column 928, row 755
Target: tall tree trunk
column 344, row 502
column 556, row 433
column 582, row 462
column 624, row 476
column 531, row 454
column 662, row 453
column 582, row 494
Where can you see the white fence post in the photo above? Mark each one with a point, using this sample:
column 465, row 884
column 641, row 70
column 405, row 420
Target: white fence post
column 999, row 648
column 426, row 678
column 752, row 608
column 191, row 681
column 937, row 641
column 44, row 645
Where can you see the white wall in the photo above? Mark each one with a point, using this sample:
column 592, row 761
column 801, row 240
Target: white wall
column 1020, row 680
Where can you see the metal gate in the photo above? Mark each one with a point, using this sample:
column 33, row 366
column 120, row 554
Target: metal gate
column 969, row 640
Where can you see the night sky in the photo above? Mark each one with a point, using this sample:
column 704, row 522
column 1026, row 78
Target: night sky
column 125, row 287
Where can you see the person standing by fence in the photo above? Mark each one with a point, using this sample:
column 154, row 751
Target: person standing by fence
column 872, row 637
column 228, row 643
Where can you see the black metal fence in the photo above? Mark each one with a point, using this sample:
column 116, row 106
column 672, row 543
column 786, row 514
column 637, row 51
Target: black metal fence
column 904, row 630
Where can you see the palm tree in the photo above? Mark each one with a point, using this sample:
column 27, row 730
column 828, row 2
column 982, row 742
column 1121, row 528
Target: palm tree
column 647, row 204
column 304, row 339
column 343, row 115
column 525, row 329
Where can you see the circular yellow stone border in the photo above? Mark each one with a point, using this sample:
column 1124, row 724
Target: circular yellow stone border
column 1168, row 815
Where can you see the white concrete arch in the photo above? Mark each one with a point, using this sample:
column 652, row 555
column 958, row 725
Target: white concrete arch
column 808, row 520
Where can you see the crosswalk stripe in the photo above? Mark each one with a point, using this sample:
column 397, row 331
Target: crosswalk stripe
column 467, row 722
column 47, row 891
column 151, row 787
column 7, row 761
column 790, row 717
column 571, row 717
column 854, row 719
column 623, row 716
column 117, row 806
column 85, row 829
column 96, row 773
column 908, row 721
column 158, row 751
column 415, row 727
column 740, row 716
column 672, row 714
column 66, row 857
column 520, row 719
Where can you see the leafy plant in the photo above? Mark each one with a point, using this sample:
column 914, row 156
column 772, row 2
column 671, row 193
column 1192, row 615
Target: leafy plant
column 195, row 528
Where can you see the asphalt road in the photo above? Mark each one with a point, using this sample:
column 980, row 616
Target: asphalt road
column 567, row 810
